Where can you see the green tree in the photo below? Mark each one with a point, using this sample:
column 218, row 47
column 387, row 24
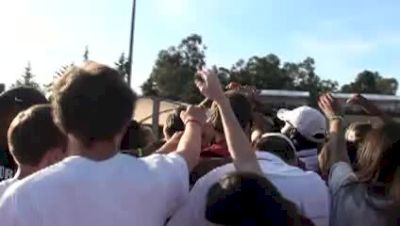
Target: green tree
column 371, row 82
column 149, row 88
column 174, row 71
column 27, row 79
column 122, row 66
column 304, row 78
column 261, row 72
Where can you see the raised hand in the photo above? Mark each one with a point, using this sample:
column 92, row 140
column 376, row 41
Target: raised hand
column 330, row 105
column 193, row 113
column 358, row 99
column 209, row 85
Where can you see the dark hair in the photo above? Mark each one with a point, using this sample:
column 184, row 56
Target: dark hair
column 241, row 107
column 174, row 123
column 92, row 102
column 379, row 159
column 299, row 141
column 33, row 133
column 21, row 98
column 241, row 199
column 14, row 101
column 278, row 146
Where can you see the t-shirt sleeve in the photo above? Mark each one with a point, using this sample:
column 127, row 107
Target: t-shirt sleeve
column 340, row 174
column 173, row 179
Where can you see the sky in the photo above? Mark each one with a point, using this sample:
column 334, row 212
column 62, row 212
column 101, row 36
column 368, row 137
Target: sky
column 344, row 37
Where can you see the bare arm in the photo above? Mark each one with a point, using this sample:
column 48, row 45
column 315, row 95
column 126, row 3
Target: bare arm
column 368, row 107
column 170, row 145
column 189, row 146
column 335, row 149
column 238, row 143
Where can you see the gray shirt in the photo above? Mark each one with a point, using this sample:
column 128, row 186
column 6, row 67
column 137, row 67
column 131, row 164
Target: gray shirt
column 352, row 204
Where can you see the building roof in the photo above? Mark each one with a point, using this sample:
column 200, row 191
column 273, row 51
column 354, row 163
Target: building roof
column 289, row 93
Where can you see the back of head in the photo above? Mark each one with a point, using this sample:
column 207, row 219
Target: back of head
column 21, row 98
column 379, row 159
column 279, row 145
column 174, row 123
column 133, row 137
column 248, row 199
column 357, row 131
column 355, row 135
column 241, row 107
column 14, row 101
column 93, row 103
column 32, row 134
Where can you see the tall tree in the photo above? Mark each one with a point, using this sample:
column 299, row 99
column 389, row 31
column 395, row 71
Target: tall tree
column 122, row 66
column 27, row 79
column 371, row 82
column 175, row 68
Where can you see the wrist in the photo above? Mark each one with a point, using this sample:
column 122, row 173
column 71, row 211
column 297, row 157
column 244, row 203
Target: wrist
column 192, row 121
column 336, row 117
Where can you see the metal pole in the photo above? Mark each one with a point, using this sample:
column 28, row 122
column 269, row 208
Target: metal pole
column 131, row 40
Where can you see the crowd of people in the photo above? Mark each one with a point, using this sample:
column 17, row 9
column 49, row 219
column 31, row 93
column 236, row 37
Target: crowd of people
column 79, row 159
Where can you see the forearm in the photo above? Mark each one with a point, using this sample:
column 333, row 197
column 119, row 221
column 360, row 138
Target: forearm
column 167, row 148
column 337, row 150
column 372, row 109
column 189, row 146
column 237, row 141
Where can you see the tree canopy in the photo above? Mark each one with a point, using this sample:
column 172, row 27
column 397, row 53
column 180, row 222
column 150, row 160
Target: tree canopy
column 174, row 70
column 27, row 79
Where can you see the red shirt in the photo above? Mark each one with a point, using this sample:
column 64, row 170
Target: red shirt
column 219, row 149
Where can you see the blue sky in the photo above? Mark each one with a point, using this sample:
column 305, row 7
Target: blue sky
column 344, row 37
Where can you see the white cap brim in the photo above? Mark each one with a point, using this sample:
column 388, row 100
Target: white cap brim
column 282, row 114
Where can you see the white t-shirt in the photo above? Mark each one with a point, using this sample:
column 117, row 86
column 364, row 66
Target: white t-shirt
column 5, row 184
column 122, row 190
column 304, row 188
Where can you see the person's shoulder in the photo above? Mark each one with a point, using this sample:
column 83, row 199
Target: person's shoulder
column 5, row 184
column 163, row 159
column 214, row 175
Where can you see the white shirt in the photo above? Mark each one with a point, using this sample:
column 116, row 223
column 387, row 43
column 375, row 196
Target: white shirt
column 5, row 184
column 310, row 158
column 122, row 190
column 306, row 189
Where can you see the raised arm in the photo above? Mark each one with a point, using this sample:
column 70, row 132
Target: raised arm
column 335, row 149
column 189, row 146
column 238, row 143
column 368, row 107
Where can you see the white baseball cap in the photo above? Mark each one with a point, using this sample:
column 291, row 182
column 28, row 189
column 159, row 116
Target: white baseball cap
column 308, row 121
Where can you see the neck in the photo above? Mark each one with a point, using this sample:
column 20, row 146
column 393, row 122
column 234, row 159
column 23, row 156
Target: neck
column 97, row 151
column 24, row 171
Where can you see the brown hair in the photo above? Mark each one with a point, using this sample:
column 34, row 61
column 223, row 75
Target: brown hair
column 379, row 159
column 174, row 123
column 241, row 107
column 360, row 129
column 92, row 102
column 32, row 134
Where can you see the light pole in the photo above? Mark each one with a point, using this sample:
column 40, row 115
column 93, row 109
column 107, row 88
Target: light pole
column 131, row 41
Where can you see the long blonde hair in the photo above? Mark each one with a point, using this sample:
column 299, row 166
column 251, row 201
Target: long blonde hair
column 379, row 159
